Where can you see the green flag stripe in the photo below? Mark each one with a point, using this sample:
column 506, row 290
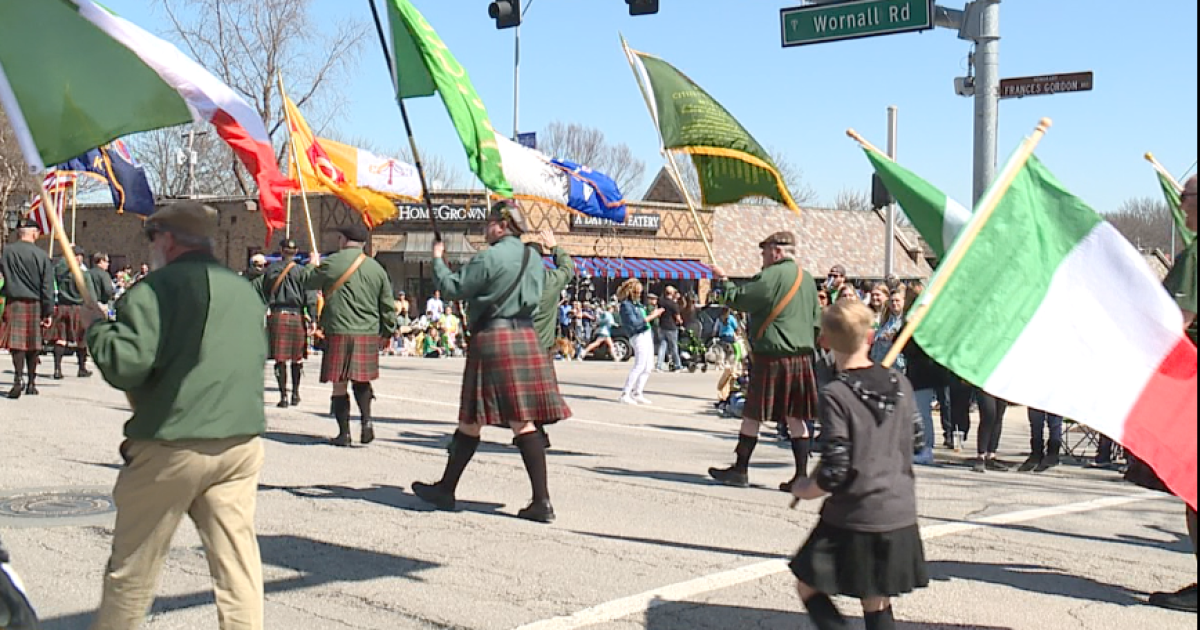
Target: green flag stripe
column 1176, row 204
column 923, row 203
column 420, row 50
column 1005, row 274
column 76, row 86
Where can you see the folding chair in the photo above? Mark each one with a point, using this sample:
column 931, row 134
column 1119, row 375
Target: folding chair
column 1082, row 443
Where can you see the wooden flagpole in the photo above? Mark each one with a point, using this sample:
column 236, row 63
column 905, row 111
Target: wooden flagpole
column 412, row 141
column 312, row 235
column 673, row 168
column 1163, row 171
column 59, row 235
column 983, row 211
column 74, row 207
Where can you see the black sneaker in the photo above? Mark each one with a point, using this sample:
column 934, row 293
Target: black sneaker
column 730, row 477
column 1051, row 461
column 342, row 440
column 980, row 466
column 1183, row 600
column 538, row 512
column 282, row 404
column 434, row 495
column 1030, row 464
column 997, row 465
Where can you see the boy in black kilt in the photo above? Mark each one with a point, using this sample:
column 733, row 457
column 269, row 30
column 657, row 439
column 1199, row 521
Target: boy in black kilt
column 867, row 544
column 291, row 307
column 509, row 379
column 68, row 330
column 29, row 309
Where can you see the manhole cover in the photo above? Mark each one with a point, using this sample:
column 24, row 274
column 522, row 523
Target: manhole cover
column 57, row 504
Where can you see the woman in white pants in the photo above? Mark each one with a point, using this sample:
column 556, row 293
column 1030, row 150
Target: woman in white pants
column 636, row 322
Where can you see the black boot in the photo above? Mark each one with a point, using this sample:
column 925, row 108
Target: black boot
column 800, row 450
column 297, row 372
column 281, row 381
column 441, row 494
column 82, row 353
column 1037, row 453
column 739, row 474
column 18, row 388
column 824, row 614
column 533, row 452
column 59, row 353
column 363, row 396
column 882, row 620
column 31, row 366
column 341, row 412
column 1052, row 458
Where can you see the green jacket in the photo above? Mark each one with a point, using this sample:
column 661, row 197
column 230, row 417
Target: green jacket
column 1182, row 284
column 100, row 285
column 68, row 293
column 363, row 305
column 188, row 347
column 795, row 330
column 28, row 275
column 545, row 321
column 489, row 274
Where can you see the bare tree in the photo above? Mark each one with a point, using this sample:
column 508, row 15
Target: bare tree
column 588, row 146
column 793, row 178
column 15, row 182
column 250, row 44
column 163, row 153
column 1145, row 221
column 849, row 200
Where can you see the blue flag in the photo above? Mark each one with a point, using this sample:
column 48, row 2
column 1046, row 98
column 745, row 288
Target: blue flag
column 593, row 193
column 127, row 181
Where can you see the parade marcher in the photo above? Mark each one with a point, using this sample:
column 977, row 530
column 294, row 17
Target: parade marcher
column 100, row 283
column 67, row 331
column 16, row 613
column 1182, row 283
column 290, row 307
column 509, row 379
column 359, row 315
column 187, row 347
column 785, row 320
column 867, row 544
column 29, row 306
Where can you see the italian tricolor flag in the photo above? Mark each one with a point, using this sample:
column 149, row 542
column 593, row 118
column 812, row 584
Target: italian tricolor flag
column 1051, row 307
column 937, row 217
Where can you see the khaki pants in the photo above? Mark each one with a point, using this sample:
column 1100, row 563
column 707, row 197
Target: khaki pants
column 215, row 483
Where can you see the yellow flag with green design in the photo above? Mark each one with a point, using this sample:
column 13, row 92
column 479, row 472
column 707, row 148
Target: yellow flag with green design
column 425, row 66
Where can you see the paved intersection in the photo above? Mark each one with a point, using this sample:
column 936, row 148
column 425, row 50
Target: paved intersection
column 643, row 539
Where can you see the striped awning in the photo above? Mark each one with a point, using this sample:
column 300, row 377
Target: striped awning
column 647, row 268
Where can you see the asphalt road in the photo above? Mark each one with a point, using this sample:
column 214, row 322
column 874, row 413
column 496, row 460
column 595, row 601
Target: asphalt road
column 643, row 539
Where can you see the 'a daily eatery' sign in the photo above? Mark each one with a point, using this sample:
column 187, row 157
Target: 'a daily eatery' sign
column 633, row 223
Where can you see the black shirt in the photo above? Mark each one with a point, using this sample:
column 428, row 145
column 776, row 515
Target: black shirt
column 670, row 312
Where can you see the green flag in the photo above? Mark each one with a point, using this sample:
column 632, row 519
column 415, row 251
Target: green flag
column 1175, row 203
column 936, row 216
column 425, row 66
column 731, row 164
column 69, row 84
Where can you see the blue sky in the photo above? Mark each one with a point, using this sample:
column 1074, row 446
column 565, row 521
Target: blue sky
column 803, row 99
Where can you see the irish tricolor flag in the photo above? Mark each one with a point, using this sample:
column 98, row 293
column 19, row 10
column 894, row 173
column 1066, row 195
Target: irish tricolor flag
column 1051, row 307
column 73, row 77
column 937, row 217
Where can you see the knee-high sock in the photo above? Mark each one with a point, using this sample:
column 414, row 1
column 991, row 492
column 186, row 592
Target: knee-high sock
column 18, row 361
column 297, row 372
column 281, row 379
column 59, row 353
column 363, row 396
column 800, row 450
column 82, row 354
column 824, row 613
column 31, row 364
column 460, row 455
column 882, row 620
column 745, row 448
column 533, row 451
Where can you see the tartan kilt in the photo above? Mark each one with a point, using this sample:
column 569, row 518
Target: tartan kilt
column 782, row 388
column 350, row 358
column 509, row 378
column 289, row 338
column 68, row 326
column 21, row 329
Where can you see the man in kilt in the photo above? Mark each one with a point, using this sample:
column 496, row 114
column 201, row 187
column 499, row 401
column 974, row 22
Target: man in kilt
column 785, row 319
column 67, row 333
column 358, row 316
column 291, row 308
column 509, row 379
column 29, row 309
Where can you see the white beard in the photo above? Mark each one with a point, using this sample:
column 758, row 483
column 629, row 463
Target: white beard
column 158, row 260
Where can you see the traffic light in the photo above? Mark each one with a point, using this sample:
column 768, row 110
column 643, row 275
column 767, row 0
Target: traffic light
column 642, row 7
column 507, row 13
column 880, row 197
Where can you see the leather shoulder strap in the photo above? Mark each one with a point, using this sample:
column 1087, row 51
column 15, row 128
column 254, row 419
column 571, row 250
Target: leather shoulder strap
column 282, row 276
column 358, row 262
column 778, row 310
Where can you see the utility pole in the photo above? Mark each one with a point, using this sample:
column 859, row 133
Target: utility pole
column 889, row 248
column 517, row 81
column 987, row 93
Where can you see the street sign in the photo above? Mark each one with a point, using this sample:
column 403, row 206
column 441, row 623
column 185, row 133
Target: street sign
column 527, row 140
column 1046, row 85
column 818, row 23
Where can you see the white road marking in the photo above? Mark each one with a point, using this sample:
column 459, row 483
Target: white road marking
column 642, row 602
